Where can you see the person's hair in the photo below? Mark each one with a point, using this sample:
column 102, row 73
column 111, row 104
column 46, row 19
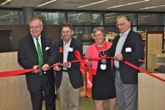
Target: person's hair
column 69, row 25
column 123, row 16
column 36, row 19
column 99, row 29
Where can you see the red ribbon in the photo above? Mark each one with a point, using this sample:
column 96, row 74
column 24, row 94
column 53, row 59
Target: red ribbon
column 83, row 65
column 15, row 72
column 82, row 62
column 83, row 70
column 144, row 71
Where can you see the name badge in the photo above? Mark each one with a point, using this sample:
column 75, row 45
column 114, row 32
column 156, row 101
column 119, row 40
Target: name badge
column 128, row 49
column 70, row 49
column 103, row 66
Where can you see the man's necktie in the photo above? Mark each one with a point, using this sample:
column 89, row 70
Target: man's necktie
column 40, row 57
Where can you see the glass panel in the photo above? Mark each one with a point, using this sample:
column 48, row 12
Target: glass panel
column 111, row 29
column 150, row 19
column 84, row 18
column 83, row 34
column 150, row 28
column 51, row 18
column 8, row 17
column 110, row 18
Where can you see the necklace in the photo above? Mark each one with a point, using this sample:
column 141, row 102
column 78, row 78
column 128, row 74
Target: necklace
column 101, row 50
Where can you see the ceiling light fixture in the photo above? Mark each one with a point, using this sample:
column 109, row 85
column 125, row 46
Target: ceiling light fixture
column 159, row 6
column 43, row 4
column 127, row 4
column 90, row 4
column 5, row 2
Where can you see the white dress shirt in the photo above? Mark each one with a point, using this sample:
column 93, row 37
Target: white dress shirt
column 119, row 45
column 66, row 48
column 35, row 42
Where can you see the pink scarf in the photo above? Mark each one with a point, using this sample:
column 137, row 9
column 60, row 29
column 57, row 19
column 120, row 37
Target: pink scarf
column 93, row 52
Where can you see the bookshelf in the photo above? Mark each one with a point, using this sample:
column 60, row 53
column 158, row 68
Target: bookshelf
column 154, row 46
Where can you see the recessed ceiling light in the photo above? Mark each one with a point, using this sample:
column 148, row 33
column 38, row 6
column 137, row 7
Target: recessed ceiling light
column 90, row 4
column 127, row 4
column 43, row 4
column 152, row 7
column 5, row 2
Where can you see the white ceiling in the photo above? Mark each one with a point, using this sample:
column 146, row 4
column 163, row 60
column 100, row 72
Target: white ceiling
column 73, row 5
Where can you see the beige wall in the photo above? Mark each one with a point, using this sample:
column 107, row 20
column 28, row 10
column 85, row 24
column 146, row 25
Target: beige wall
column 151, row 92
column 13, row 90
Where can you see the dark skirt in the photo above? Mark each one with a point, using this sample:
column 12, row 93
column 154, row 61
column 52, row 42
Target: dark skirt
column 103, row 85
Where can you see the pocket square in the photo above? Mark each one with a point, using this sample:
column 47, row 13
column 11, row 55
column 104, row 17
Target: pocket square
column 47, row 48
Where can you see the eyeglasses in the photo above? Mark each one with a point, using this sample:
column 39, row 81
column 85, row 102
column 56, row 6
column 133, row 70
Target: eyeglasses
column 120, row 24
column 95, row 35
column 34, row 27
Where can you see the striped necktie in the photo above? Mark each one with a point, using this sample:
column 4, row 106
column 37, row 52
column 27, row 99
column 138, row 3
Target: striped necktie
column 40, row 56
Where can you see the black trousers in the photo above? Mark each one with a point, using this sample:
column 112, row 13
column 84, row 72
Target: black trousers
column 48, row 90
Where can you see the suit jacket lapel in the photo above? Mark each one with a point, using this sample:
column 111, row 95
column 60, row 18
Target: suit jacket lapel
column 44, row 45
column 70, row 53
column 33, row 49
column 127, row 40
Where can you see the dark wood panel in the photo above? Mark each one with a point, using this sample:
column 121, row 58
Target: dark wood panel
column 19, row 31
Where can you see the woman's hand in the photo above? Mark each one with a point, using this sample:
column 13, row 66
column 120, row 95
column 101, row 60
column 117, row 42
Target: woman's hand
column 103, row 60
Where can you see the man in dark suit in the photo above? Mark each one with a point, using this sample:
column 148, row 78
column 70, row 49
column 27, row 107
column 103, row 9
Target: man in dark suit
column 127, row 46
column 35, row 51
column 68, row 76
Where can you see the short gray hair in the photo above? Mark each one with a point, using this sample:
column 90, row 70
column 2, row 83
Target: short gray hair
column 123, row 16
column 37, row 19
column 99, row 29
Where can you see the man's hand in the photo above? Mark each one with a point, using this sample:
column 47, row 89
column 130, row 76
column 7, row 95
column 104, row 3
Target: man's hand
column 56, row 68
column 118, row 57
column 66, row 64
column 45, row 67
column 36, row 67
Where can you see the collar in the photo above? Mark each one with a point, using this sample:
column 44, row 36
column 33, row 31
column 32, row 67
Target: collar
column 105, row 47
column 125, row 33
column 68, row 43
column 39, row 38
